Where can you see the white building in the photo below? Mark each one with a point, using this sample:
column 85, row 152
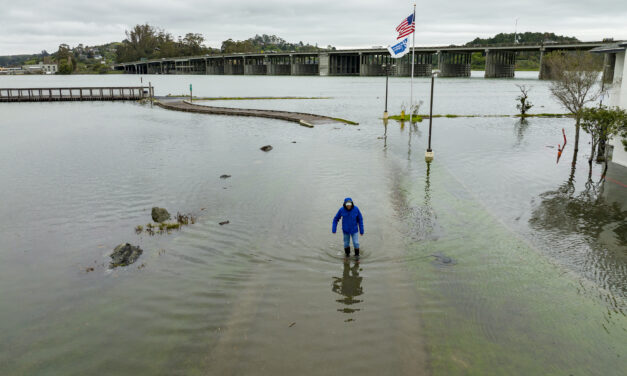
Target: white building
column 615, row 70
column 41, row 68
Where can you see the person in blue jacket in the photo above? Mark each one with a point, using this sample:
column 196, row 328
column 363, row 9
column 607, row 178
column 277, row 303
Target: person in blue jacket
column 352, row 221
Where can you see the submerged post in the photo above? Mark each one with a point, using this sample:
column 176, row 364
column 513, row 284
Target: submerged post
column 150, row 92
column 387, row 70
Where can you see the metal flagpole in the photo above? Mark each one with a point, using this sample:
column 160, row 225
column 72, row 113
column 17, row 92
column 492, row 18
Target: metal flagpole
column 413, row 44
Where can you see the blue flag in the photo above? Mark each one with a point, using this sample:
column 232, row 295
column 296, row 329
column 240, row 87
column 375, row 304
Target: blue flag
column 399, row 49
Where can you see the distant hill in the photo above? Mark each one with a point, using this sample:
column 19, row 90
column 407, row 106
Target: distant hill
column 526, row 37
column 525, row 60
column 19, row 60
column 85, row 56
column 266, row 43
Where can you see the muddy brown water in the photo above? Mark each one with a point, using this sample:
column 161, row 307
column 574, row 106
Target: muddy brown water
column 536, row 284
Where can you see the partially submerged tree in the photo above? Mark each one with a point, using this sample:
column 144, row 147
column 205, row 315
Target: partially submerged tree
column 524, row 104
column 575, row 77
column 602, row 123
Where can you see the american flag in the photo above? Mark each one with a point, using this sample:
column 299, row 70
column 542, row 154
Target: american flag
column 406, row 27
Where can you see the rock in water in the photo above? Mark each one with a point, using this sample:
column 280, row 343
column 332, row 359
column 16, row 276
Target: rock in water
column 266, row 148
column 124, row 254
column 160, row 214
column 443, row 260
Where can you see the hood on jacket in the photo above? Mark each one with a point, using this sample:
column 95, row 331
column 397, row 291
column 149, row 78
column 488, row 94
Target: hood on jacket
column 348, row 199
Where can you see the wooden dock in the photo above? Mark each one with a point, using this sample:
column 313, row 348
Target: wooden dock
column 55, row 94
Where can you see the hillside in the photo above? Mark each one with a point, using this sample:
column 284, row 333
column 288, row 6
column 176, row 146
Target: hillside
column 524, row 38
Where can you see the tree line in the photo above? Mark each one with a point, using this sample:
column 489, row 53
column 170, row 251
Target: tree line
column 149, row 42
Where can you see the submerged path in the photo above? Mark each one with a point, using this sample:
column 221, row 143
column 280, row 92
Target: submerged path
column 303, row 119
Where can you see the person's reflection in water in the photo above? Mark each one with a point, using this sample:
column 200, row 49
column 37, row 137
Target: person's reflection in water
column 349, row 286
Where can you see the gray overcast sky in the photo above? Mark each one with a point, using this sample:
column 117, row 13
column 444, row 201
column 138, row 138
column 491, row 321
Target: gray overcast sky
column 34, row 25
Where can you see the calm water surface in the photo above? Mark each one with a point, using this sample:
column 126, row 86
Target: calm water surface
column 493, row 259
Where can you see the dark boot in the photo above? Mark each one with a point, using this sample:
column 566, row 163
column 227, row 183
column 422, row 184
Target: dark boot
column 347, row 251
column 356, row 252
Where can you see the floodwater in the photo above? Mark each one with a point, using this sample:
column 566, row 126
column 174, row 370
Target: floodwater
column 493, row 259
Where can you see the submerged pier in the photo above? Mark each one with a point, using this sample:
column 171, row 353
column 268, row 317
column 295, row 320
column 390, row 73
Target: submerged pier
column 304, row 119
column 56, row 94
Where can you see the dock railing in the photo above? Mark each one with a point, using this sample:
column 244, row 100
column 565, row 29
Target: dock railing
column 52, row 94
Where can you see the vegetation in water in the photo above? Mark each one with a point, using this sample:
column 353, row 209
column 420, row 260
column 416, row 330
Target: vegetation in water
column 602, row 124
column 574, row 83
column 345, row 121
column 420, row 118
column 524, row 104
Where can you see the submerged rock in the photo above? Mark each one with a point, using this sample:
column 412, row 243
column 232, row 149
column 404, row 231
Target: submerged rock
column 266, row 148
column 124, row 254
column 225, row 176
column 160, row 214
column 442, row 259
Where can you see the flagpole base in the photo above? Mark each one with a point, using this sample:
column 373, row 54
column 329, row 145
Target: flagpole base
column 429, row 156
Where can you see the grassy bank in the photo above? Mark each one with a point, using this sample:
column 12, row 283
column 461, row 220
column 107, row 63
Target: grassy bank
column 419, row 118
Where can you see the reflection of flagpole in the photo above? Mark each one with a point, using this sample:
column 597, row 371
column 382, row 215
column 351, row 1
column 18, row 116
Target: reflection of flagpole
column 413, row 45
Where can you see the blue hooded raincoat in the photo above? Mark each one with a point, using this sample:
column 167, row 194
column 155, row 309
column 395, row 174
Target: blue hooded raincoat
column 352, row 220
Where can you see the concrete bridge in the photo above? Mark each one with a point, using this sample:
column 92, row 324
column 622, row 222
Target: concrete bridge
column 453, row 61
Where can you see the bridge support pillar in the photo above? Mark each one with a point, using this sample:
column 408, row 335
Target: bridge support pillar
column 499, row 63
column 305, row 65
column 423, row 65
column 255, row 65
column 323, row 64
column 344, row 64
column 215, row 66
column 543, row 68
column 279, row 65
column 372, row 64
column 197, row 66
column 234, row 65
column 454, row 63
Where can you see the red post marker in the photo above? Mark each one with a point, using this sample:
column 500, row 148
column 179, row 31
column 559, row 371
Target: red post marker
column 561, row 149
